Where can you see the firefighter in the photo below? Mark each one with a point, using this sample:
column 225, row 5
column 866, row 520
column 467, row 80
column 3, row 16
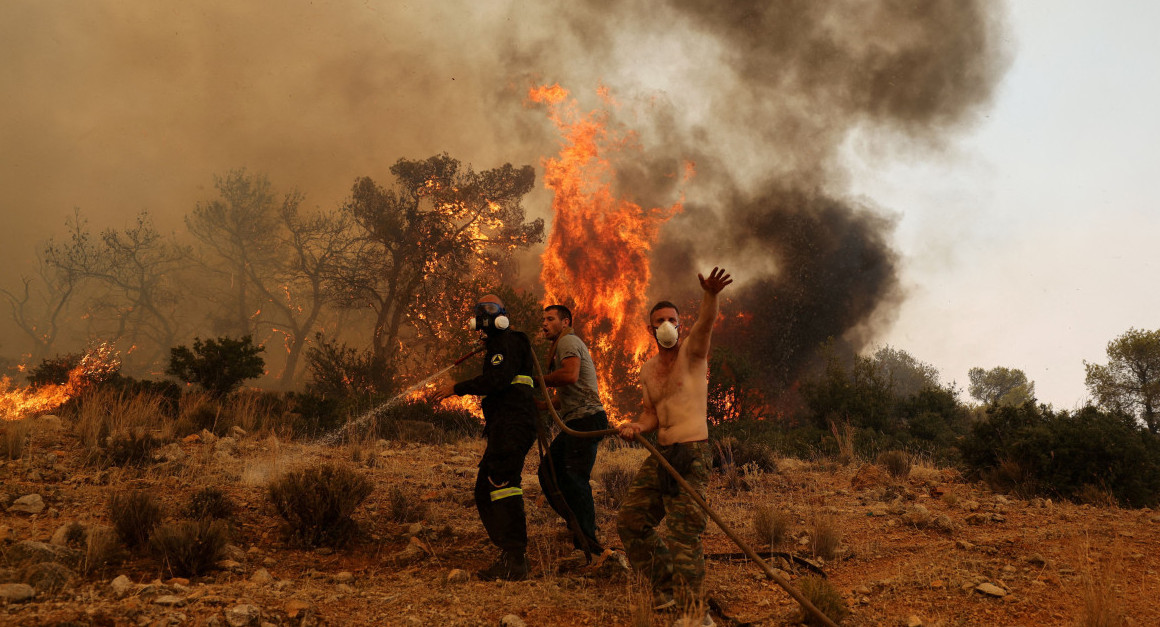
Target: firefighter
column 509, row 413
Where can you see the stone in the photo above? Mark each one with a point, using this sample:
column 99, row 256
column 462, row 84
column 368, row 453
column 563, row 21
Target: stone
column 261, row 576
column 169, row 600
column 48, row 576
column 122, row 585
column 16, row 592
column 457, row 575
column 243, row 615
column 234, row 552
column 344, row 577
column 511, row 620
column 230, row 565
column 191, row 438
column 27, row 504
column 297, row 608
column 991, row 590
column 913, row 621
column 28, row 551
column 237, row 432
column 269, row 561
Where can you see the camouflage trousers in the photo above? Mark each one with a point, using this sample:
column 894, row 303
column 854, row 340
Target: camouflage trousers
column 678, row 564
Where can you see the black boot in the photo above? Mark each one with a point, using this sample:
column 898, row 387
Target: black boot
column 510, row 566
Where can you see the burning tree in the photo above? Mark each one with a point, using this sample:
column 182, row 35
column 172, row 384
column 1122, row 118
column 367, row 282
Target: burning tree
column 423, row 243
column 597, row 258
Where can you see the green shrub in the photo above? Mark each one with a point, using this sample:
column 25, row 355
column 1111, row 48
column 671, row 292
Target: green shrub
column 190, row 547
column 219, row 366
column 135, row 515
column 317, row 503
column 209, row 503
column 1036, row 450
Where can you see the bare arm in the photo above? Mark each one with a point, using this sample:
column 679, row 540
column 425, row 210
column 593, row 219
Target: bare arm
column 702, row 331
column 647, row 421
column 567, row 374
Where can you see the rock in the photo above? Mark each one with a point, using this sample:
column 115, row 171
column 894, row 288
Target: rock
column 69, row 534
column 16, row 592
column 237, row 432
column 913, row 621
column 990, row 589
column 261, row 576
column 207, row 436
column 457, row 576
column 234, row 552
column 230, row 565
column 511, row 620
column 28, row 504
column 344, row 577
column 169, row 600
column 296, row 608
column 191, row 438
column 964, row 545
column 169, row 453
column 411, row 554
column 970, row 506
column 918, row 516
column 48, row 576
column 269, row 561
column 226, row 445
column 28, row 551
column 122, row 585
column 242, row 615
column 415, row 529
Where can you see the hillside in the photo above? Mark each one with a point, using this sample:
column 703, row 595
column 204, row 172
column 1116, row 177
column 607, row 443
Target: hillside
column 912, row 551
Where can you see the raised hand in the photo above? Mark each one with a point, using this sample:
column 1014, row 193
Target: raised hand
column 716, row 282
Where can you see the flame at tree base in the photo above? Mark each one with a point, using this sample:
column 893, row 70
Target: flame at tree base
column 97, row 364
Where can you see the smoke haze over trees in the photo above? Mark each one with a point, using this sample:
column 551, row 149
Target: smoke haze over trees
column 119, row 108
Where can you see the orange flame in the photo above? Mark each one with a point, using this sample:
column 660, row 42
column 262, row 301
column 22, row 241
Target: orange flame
column 598, row 251
column 98, row 363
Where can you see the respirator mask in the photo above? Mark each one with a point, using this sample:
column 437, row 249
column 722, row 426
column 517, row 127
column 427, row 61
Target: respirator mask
column 489, row 317
column 666, row 334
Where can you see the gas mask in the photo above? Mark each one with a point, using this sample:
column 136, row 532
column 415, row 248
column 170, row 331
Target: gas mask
column 489, row 317
column 666, row 334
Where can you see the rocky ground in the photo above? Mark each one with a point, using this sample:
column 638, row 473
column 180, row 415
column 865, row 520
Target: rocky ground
column 930, row 549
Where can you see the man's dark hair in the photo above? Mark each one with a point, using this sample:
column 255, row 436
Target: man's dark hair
column 664, row 304
column 563, row 311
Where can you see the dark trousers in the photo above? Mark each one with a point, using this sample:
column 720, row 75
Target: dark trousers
column 498, row 495
column 573, row 458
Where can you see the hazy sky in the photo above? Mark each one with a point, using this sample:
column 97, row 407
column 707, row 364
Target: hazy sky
column 1043, row 244
column 1023, row 220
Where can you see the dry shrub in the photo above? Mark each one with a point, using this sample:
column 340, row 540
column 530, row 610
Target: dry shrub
column 317, row 503
column 75, row 535
column 14, row 437
column 640, row 601
column 825, row 538
column 132, row 448
column 46, row 576
column 823, row 596
column 135, row 515
column 197, row 411
column 772, row 525
column 616, row 480
column 729, row 451
column 897, row 463
column 405, row 506
column 951, row 499
column 209, row 503
column 190, row 547
column 1096, row 496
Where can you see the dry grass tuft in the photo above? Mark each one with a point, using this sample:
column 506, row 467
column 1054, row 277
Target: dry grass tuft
column 640, row 601
column 1102, row 606
column 210, row 503
column 616, row 480
column 405, row 506
column 102, row 549
column 824, row 597
column 825, row 537
column 844, row 436
column 14, row 438
column 897, row 463
column 772, row 525
column 104, row 412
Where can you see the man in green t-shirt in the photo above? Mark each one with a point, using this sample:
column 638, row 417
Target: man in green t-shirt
column 573, row 375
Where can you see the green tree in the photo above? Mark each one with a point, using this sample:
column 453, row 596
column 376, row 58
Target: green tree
column 906, row 374
column 219, row 366
column 1130, row 382
column 440, row 228
column 1007, row 387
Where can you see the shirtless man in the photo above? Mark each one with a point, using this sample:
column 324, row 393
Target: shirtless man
column 675, row 390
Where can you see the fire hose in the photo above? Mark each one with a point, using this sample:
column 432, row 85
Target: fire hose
column 745, row 548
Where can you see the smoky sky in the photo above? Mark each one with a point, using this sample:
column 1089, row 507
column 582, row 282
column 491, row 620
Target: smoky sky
column 119, row 107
